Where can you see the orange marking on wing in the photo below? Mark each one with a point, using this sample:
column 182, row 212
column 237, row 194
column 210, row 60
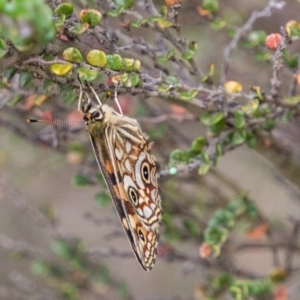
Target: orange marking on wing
column 108, row 166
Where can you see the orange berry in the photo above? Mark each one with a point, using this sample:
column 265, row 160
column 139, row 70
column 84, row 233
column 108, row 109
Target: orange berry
column 273, row 40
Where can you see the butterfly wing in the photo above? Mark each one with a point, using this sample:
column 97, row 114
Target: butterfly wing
column 121, row 150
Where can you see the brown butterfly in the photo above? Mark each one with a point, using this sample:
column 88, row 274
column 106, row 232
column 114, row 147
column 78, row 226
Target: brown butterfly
column 123, row 154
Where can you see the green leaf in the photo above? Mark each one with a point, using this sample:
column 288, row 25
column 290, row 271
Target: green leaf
column 251, row 139
column 211, row 118
column 61, row 69
column 179, row 155
column 291, row 60
column 239, row 120
column 114, row 62
column 127, row 64
column 86, row 74
column 39, row 267
column 60, row 248
column 255, row 38
column 3, row 48
column 91, row 16
column 189, row 54
column 236, row 293
column 64, row 8
column 216, row 128
column 170, row 55
column 35, row 16
column 47, row 86
column 72, row 54
column 69, row 291
column 193, row 46
column 218, row 24
column 250, row 107
column 80, row 28
column 214, row 235
column 222, row 281
column 163, row 23
column 294, row 100
column 192, row 227
column 117, row 12
column 222, row 218
column 124, row 3
column 26, row 80
column 9, row 74
column 13, row 101
column 136, row 65
column 80, row 180
column 135, row 24
column 286, row 117
column 211, row 5
column 219, row 153
column 219, row 149
column 172, row 79
column 251, row 210
column 263, row 55
column 3, row 85
column 268, row 125
column 123, row 290
column 205, row 157
column 191, row 153
column 97, row 58
column 130, row 81
column 162, row 59
column 199, row 143
column 238, row 138
column 68, row 94
column 163, row 88
column 102, row 199
column 237, row 207
column 188, row 95
column 203, row 169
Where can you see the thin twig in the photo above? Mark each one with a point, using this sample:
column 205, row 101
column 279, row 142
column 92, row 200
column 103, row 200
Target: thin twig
column 266, row 12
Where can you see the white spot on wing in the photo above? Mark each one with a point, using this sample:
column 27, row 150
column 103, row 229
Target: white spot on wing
column 127, row 165
column 147, row 254
column 147, row 212
column 127, row 180
column 128, row 147
column 154, row 195
column 140, row 212
column 119, row 153
column 153, row 206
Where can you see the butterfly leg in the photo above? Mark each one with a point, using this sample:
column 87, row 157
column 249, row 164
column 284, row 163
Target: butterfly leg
column 117, row 101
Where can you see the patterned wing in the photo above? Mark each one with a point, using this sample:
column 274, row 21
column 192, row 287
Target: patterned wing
column 130, row 173
column 138, row 171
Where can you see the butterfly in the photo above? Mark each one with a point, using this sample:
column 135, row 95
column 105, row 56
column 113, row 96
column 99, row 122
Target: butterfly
column 122, row 151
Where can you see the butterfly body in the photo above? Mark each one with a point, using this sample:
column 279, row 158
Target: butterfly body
column 123, row 154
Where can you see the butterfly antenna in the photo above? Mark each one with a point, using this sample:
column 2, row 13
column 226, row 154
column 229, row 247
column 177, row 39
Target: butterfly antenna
column 52, row 121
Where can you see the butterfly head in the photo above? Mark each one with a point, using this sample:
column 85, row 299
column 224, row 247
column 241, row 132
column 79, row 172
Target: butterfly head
column 92, row 114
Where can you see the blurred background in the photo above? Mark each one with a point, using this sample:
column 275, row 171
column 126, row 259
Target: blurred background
column 37, row 182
